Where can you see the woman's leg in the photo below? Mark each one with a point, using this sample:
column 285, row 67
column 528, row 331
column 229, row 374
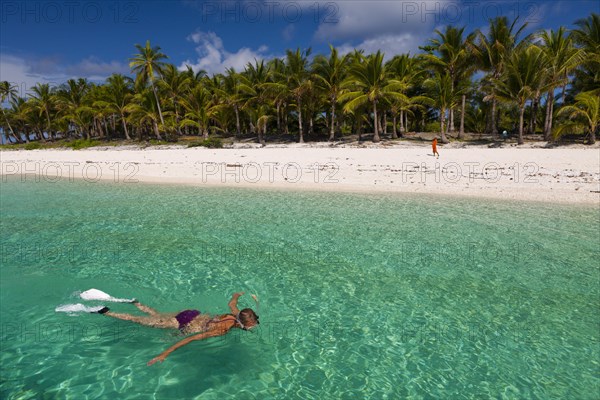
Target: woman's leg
column 146, row 309
column 166, row 321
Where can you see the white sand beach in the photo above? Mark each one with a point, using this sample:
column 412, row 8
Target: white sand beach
column 569, row 174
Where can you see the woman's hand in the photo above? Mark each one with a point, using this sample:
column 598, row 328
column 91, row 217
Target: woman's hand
column 160, row 358
column 238, row 294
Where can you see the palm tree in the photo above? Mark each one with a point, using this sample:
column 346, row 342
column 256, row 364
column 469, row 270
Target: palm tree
column 369, row 83
column 408, row 72
column 278, row 92
column 452, row 57
column 70, row 97
column 330, row 73
column 7, row 92
column 195, row 77
column 587, row 37
column 254, row 91
column 116, row 98
column 43, row 101
column 521, row 79
column 146, row 64
column 143, row 110
column 584, row 114
column 492, row 51
column 198, row 109
column 20, row 114
column 444, row 97
column 233, row 95
column 298, row 81
column 562, row 58
column 174, row 85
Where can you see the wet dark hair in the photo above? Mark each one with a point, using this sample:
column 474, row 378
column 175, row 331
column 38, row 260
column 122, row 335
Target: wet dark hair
column 248, row 316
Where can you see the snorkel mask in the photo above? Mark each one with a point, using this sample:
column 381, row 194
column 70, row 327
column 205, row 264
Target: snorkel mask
column 237, row 317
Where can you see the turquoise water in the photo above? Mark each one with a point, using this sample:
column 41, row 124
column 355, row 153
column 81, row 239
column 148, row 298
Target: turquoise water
column 362, row 296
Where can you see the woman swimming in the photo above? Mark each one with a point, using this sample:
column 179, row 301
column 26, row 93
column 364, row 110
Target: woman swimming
column 191, row 321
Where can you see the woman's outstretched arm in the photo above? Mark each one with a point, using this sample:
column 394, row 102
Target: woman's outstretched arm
column 200, row 336
column 233, row 303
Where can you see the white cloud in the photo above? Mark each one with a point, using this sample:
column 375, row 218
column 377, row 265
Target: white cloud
column 370, row 19
column 390, row 45
column 16, row 71
column 214, row 58
column 288, row 32
column 26, row 73
column 92, row 67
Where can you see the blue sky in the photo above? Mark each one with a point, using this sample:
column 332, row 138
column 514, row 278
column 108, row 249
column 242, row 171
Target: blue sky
column 51, row 41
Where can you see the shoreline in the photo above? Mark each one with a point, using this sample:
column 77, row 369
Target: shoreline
column 556, row 175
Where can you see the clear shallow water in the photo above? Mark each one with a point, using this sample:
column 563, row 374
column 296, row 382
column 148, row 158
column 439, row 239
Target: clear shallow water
column 380, row 296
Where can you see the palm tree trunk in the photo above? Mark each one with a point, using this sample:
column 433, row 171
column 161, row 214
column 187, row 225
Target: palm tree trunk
column 177, row 121
column 493, row 127
column 461, row 132
column 402, row 126
column 156, row 132
column 332, row 127
column 162, row 121
column 299, row 101
column 442, row 123
column 311, row 125
column 394, row 129
column 521, row 115
column 549, row 116
column 384, row 128
column 261, row 140
column 278, row 117
column 100, row 130
column 16, row 137
column 450, row 127
column 376, row 138
column 546, row 117
column 530, row 128
column 238, row 129
column 7, row 122
column 49, row 132
column 593, row 136
column 536, row 107
column 125, row 127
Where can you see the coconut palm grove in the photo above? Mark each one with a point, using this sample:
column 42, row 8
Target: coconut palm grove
column 544, row 86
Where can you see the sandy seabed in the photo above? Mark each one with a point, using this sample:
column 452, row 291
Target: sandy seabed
column 569, row 174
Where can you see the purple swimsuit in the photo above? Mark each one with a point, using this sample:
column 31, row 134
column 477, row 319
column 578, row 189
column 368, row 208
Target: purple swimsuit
column 185, row 317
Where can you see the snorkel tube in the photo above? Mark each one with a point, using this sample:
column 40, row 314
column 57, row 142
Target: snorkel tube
column 237, row 317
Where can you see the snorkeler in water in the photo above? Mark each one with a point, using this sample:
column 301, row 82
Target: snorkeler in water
column 191, row 321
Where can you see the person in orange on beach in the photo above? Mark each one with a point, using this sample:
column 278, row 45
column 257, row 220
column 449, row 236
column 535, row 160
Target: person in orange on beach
column 434, row 147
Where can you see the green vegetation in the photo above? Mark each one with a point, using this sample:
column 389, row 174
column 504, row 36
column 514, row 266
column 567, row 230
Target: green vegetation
column 461, row 82
column 79, row 144
column 33, row 146
column 211, row 143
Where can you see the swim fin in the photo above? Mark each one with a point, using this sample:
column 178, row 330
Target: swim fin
column 95, row 294
column 75, row 308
